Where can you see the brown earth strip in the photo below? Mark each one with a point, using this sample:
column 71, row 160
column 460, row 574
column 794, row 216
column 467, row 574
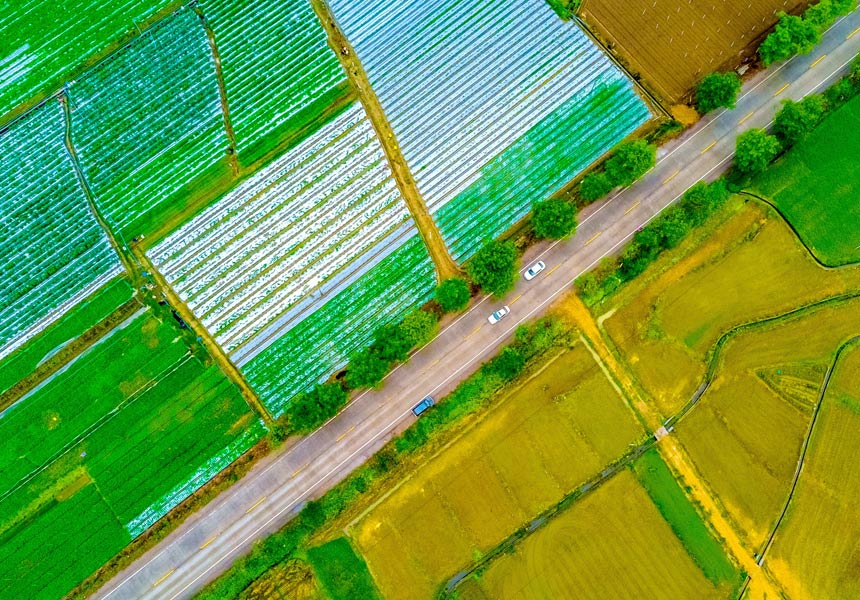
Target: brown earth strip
column 761, row 585
column 446, row 267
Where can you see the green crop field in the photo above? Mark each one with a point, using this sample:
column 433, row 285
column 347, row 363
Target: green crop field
column 105, row 448
column 78, row 320
column 745, row 434
column 814, row 554
column 611, row 544
column 750, row 267
column 342, row 573
column 543, row 440
column 816, row 186
column 670, row 500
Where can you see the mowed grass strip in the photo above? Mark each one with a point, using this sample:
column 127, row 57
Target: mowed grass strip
column 814, row 554
column 745, row 434
column 342, row 572
column 611, row 544
column 747, row 267
column 546, row 437
column 816, row 186
column 87, row 314
column 682, row 517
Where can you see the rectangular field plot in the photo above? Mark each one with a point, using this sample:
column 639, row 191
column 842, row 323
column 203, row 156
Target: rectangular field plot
column 611, row 544
column 342, row 322
column 494, row 106
column 674, row 43
column 816, row 186
column 147, row 123
column 279, row 72
column 43, row 42
column 496, row 477
column 145, row 425
column 301, row 227
column 751, row 267
column 815, row 549
column 52, row 251
column 745, row 434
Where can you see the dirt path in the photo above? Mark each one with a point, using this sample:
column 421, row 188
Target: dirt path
column 446, row 267
column 222, row 90
column 215, row 351
column 761, row 586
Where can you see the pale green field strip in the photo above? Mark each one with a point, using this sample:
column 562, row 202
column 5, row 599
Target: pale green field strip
column 145, row 425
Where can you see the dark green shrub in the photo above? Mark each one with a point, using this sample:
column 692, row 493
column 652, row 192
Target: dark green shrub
column 453, row 294
column 494, row 267
column 717, row 90
column 554, row 219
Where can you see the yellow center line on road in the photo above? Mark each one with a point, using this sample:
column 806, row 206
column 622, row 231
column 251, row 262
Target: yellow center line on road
column 594, row 237
column 207, row 542
column 435, row 362
column 708, row 147
column 818, row 60
column 166, row 575
column 553, row 270
column 345, row 433
column 256, row 504
column 781, row 90
column 744, row 120
column 300, row 469
column 670, row 178
column 853, row 33
column 515, row 299
column 633, row 207
column 474, row 331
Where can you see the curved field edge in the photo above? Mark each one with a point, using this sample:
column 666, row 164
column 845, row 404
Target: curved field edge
column 815, row 186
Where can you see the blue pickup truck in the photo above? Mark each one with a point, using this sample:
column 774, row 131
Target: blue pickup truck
column 422, row 406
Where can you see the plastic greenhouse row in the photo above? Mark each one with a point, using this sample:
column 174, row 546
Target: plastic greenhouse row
column 276, row 63
column 52, row 249
column 322, row 342
column 148, row 119
column 43, row 41
column 468, row 85
column 293, row 227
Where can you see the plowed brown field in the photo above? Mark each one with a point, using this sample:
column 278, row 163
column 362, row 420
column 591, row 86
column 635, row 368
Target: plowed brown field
column 671, row 44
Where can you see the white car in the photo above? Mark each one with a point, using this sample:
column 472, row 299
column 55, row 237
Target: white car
column 533, row 270
column 499, row 315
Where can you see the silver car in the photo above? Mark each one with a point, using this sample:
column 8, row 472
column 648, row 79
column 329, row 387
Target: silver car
column 499, row 315
column 533, row 270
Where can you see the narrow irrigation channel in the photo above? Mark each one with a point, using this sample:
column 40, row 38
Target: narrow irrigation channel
column 446, row 266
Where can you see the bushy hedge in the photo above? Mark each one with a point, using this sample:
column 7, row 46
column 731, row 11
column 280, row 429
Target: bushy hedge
column 629, row 162
column 663, row 233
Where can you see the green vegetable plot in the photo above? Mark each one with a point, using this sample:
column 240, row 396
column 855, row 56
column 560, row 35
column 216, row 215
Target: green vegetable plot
column 135, row 424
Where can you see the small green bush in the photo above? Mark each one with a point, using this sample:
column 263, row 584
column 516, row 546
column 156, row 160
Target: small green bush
column 453, row 294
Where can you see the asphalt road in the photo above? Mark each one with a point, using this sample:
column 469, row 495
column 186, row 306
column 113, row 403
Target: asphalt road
column 209, row 541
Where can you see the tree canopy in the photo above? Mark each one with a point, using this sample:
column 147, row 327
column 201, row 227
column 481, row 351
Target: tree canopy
column 366, row 370
column 453, row 294
column 793, row 35
column 630, row 161
column 595, row 186
column 755, row 150
column 419, row 327
column 717, row 90
column 554, row 219
column 311, row 409
column 796, row 119
column 494, row 267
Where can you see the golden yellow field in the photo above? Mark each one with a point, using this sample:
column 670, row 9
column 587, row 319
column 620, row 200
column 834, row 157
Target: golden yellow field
column 752, row 267
column 293, row 580
column 612, row 544
column 550, row 435
column 815, row 554
column 745, row 435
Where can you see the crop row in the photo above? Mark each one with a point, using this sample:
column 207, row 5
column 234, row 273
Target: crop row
column 465, row 83
column 43, row 41
column 293, row 227
column 321, row 343
column 147, row 121
column 52, row 250
column 278, row 70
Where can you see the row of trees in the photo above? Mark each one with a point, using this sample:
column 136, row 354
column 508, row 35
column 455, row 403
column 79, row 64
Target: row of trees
column 799, row 35
column 628, row 163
